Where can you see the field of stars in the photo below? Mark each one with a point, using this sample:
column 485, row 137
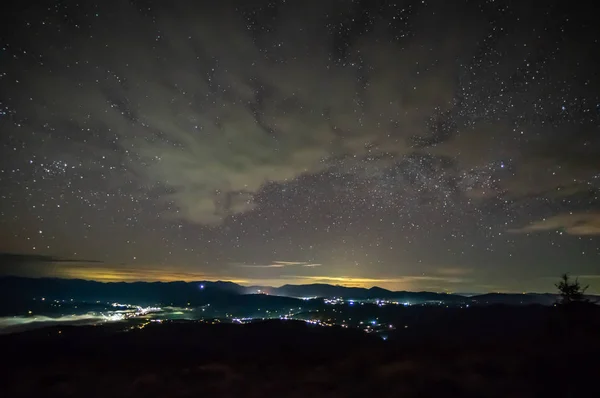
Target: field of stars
column 412, row 145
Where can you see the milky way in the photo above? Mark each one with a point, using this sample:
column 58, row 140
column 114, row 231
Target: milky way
column 413, row 145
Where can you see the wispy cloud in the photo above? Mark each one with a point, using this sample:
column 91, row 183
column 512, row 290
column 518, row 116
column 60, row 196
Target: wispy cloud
column 278, row 264
column 13, row 324
column 274, row 265
column 299, row 263
column 453, row 271
column 38, row 258
column 570, row 223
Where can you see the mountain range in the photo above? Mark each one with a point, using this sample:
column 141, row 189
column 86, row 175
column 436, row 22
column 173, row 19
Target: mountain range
column 201, row 292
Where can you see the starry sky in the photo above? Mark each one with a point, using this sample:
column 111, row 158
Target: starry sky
column 414, row 145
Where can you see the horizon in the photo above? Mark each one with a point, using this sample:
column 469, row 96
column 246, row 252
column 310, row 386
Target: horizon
column 250, row 284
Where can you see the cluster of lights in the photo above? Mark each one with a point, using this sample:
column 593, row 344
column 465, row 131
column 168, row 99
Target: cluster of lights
column 242, row 320
column 313, row 321
column 124, row 312
column 131, row 312
column 334, row 301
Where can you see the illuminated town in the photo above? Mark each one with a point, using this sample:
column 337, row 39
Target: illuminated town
column 369, row 315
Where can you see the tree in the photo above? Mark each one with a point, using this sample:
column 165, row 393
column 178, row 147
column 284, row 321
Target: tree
column 570, row 291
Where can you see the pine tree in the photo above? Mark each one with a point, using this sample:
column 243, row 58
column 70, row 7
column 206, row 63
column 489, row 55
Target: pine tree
column 570, row 291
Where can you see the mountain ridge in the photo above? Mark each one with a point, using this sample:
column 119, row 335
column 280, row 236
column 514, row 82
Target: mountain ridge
column 203, row 291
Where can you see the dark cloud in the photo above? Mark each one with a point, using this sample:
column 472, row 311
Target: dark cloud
column 16, row 258
column 36, row 264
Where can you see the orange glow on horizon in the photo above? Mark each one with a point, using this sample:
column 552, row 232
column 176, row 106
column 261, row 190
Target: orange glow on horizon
column 450, row 281
column 110, row 274
column 125, row 274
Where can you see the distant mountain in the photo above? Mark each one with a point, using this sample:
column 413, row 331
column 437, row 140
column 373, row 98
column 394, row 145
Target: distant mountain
column 202, row 292
column 359, row 293
column 12, row 288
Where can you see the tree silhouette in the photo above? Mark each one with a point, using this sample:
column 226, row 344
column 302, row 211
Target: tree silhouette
column 570, row 291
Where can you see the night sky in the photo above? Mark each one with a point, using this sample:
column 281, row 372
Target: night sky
column 418, row 145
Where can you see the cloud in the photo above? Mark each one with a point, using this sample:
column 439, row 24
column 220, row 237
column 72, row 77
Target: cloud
column 278, row 264
column 453, row 271
column 18, row 258
column 38, row 264
column 261, row 265
column 203, row 124
column 207, row 129
column 301, row 263
column 571, row 223
column 19, row 323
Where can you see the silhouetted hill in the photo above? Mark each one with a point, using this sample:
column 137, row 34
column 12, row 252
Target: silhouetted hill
column 493, row 351
column 129, row 292
column 319, row 290
column 272, row 337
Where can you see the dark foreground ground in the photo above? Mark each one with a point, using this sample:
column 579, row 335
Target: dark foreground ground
column 553, row 354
